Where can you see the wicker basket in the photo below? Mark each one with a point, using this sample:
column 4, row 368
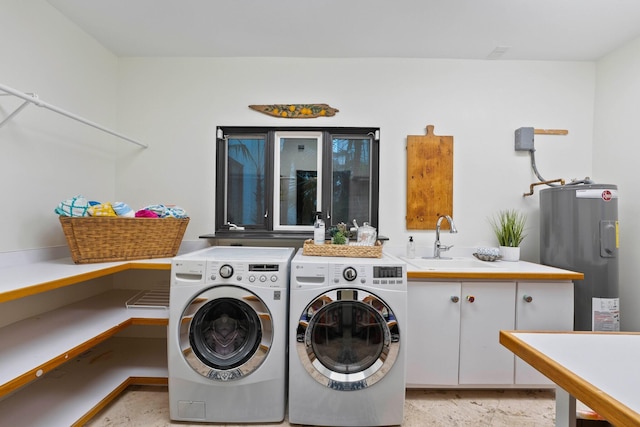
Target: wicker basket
column 102, row 239
column 309, row 248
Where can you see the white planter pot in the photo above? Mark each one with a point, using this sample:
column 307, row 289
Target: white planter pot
column 510, row 253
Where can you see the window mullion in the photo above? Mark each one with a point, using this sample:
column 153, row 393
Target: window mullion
column 327, row 173
column 221, row 183
column 270, row 176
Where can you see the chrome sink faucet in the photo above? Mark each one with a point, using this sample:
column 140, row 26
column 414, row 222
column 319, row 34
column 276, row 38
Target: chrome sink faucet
column 437, row 246
column 233, row 226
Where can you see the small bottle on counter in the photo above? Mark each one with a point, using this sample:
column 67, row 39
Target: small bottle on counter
column 411, row 248
column 318, row 229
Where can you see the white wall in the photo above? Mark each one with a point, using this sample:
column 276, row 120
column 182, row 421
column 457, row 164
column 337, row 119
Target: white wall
column 616, row 144
column 175, row 104
column 46, row 157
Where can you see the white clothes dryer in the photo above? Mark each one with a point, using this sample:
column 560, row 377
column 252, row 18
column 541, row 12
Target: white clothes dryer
column 227, row 337
column 347, row 349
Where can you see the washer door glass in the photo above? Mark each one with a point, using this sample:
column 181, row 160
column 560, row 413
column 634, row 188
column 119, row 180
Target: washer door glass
column 347, row 339
column 226, row 333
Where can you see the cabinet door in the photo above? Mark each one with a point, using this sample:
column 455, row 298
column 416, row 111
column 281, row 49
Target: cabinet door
column 487, row 307
column 434, row 326
column 542, row 306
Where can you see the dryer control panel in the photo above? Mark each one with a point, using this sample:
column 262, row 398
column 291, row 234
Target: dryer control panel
column 388, row 275
column 387, row 272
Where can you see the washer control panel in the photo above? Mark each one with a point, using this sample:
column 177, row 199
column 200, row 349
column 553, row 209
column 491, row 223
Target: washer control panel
column 272, row 275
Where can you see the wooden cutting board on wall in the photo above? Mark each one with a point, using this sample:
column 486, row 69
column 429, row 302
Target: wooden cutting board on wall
column 429, row 180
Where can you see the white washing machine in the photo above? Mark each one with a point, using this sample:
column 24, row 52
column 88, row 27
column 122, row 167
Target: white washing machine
column 227, row 338
column 347, row 340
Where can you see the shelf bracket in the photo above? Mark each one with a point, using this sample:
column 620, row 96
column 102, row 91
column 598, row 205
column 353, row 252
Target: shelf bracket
column 33, row 99
column 15, row 112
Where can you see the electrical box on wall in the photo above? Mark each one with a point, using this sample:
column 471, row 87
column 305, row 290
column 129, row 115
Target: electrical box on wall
column 524, row 139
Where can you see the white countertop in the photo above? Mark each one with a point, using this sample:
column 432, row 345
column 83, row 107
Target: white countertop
column 468, row 267
column 24, row 280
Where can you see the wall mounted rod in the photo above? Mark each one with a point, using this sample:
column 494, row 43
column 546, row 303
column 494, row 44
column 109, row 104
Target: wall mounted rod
column 33, row 99
column 550, row 132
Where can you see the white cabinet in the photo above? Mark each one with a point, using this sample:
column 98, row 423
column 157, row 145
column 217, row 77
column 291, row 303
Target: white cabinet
column 454, row 329
column 434, row 331
column 542, row 306
column 486, row 309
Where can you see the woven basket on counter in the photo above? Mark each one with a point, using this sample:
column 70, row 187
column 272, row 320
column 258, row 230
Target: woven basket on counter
column 351, row 251
column 103, row 239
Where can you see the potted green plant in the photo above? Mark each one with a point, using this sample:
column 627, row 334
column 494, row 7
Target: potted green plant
column 339, row 234
column 508, row 226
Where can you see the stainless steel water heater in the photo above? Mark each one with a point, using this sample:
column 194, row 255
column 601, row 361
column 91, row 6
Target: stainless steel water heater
column 579, row 232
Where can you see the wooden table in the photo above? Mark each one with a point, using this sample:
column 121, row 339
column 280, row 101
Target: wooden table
column 601, row 369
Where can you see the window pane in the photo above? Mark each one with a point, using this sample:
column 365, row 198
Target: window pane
column 298, row 180
column 270, row 179
column 245, row 181
column 351, row 183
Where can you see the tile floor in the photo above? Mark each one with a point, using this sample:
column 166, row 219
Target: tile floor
column 148, row 406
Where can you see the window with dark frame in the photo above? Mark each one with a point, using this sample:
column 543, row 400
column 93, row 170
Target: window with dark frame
column 274, row 179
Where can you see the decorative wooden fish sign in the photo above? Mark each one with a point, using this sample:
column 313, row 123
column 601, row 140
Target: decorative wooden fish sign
column 296, row 111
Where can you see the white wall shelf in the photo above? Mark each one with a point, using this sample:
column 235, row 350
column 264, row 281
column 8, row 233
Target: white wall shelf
column 34, row 278
column 66, row 361
column 72, row 393
column 34, row 346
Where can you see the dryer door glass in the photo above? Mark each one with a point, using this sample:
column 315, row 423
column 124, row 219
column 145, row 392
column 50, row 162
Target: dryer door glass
column 348, row 336
column 225, row 333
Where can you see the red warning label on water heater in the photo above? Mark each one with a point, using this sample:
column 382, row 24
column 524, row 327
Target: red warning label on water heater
column 606, row 194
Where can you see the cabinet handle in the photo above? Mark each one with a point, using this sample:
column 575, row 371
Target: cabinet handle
column 471, row 298
column 527, row 298
column 455, row 298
